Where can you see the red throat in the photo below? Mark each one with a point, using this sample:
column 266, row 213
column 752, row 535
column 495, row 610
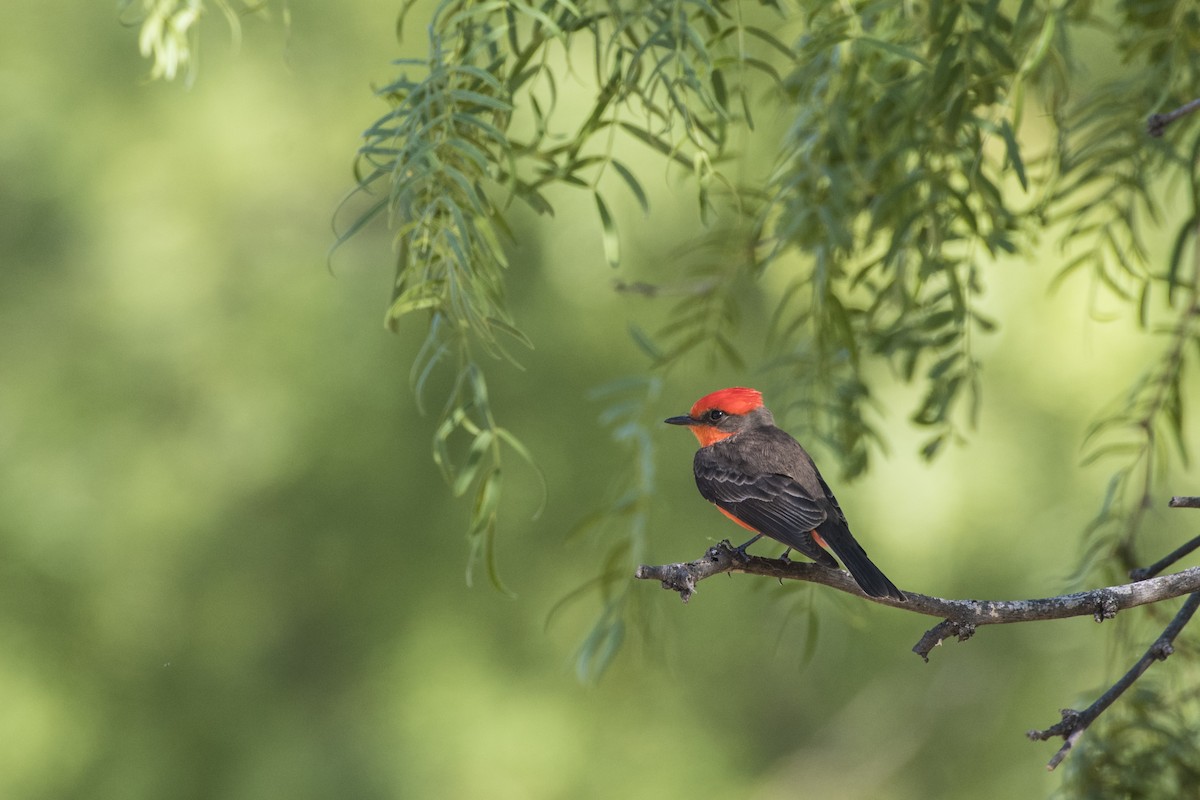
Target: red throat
column 706, row 434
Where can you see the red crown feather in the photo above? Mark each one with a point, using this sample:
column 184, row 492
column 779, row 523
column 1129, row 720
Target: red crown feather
column 735, row 400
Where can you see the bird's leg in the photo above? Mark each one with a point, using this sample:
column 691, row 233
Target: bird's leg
column 741, row 548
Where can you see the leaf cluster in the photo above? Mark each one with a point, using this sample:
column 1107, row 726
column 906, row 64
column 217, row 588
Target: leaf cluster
column 168, row 31
column 1148, row 746
column 894, row 180
column 623, row 521
column 902, row 173
column 1108, row 199
column 444, row 165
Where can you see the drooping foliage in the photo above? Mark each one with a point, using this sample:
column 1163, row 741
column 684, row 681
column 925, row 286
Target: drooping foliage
column 903, row 171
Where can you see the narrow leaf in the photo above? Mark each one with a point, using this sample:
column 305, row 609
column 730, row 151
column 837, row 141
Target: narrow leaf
column 634, row 185
column 893, row 48
column 612, row 243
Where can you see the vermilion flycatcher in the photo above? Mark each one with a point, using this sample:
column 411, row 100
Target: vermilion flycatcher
column 762, row 479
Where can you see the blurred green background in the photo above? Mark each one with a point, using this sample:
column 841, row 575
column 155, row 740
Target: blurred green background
column 230, row 569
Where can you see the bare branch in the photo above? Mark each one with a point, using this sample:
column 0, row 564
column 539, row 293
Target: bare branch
column 1184, row 502
column 961, row 616
column 939, row 633
column 1141, row 573
column 1157, row 124
column 1074, row 723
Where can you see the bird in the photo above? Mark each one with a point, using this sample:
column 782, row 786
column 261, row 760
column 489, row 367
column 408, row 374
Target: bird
column 764, row 480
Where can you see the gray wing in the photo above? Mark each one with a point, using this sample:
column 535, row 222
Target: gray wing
column 771, row 503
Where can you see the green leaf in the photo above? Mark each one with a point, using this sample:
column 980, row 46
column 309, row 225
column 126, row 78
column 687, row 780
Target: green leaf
column 482, row 530
column 1014, row 153
column 361, row 221
column 441, row 438
column 943, row 366
column 931, row 447
column 612, row 242
column 768, row 38
column 570, row 597
column 645, row 343
column 893, row 48
column 512, row 331
column 422, row 296
column 598, row 649
column 657, row 144
column 470, row 467
column 634, row 185
column 521, row 450
column 469, row 97
column 765, row 68
column 1186, row 230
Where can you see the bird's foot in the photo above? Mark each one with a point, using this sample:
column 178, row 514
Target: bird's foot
column 741, row 548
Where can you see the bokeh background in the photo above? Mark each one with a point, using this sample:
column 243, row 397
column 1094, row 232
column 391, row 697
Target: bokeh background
column 229, row 568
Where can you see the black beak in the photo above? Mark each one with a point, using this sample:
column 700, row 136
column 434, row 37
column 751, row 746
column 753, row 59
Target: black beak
column 680, row 421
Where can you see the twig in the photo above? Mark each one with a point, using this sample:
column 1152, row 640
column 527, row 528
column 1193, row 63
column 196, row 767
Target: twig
column 941, row 632
column 1074, row 723
column 961, row 616
column 1141, row 573
column 1184, row 502
column 1157, row 124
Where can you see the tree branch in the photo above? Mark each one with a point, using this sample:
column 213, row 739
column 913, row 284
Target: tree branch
column 961, row 617
column 1141, row 573
column 1157, row 124
column 1074, row 723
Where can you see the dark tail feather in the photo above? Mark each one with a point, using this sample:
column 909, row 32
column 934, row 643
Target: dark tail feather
column 868, row 576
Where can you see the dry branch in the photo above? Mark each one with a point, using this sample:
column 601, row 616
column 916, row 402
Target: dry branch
column 1184, row 502
column 1074, row 723
column 961, row 617
column 1157, row 124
